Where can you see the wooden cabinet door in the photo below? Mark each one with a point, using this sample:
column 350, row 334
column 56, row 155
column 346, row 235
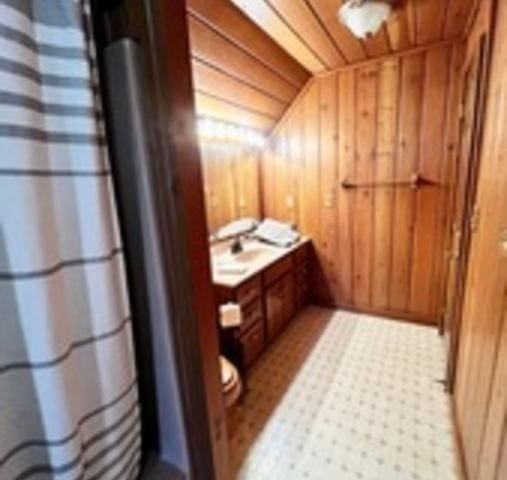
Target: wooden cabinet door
column 289, row 298
column 280, row 304
column 274, row 309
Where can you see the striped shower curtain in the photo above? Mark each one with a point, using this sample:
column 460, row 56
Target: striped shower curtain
column 68, row 395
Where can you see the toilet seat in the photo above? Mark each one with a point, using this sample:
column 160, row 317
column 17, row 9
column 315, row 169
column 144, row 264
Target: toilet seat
column 231, row 382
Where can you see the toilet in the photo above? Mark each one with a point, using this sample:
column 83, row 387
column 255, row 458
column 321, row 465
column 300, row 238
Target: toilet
column 231, row 382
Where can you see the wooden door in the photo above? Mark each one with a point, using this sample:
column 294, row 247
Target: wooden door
column 274, row 309
column 464, row 198
column 280, row 304
column 289, row 300
column 479, row 394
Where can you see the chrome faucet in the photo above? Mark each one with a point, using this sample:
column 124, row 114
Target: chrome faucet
column 236, row 245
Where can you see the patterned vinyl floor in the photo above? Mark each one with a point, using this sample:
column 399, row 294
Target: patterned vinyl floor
column 342, row 396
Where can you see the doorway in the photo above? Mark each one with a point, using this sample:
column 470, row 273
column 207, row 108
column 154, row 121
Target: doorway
column 464, row 211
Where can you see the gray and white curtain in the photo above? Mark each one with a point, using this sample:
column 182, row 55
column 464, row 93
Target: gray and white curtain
column 68, row 395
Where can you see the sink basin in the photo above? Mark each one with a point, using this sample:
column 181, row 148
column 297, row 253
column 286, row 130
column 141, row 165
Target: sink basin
column 252, row 257
column 248, row 255
column 235, row 264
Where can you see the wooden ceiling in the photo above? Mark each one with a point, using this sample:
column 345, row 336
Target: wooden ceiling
column 240, row 74
column 250, row 58
column 310, row 31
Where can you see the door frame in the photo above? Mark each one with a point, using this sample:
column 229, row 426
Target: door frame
column 176, row 182
column 482, row 54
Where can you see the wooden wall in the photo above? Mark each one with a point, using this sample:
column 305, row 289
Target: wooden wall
column 481, row 384
column 231, row 182
column 378, row 249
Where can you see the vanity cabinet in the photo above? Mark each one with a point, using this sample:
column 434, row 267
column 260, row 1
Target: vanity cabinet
column 269, row 299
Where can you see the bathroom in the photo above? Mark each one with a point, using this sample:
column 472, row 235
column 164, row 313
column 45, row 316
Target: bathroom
column 250, row 240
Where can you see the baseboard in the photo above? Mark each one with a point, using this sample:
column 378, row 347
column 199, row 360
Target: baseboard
column 406, row 317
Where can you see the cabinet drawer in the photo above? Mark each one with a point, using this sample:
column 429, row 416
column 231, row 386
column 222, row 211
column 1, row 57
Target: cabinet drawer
column 277, row 270
column 252, row 314
column 252, row 343
column 249, row 291
column 302, row 254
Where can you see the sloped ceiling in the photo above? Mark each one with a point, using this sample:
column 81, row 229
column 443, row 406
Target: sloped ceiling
column 251, row 57
column 311, row 32
column 240, row 74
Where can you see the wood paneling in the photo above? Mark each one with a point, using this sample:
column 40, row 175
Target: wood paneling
column 427, row 222
column 212, row 47
column 240, row 74
column 226, row 110
column 458, row 13
column 210, row 81
column 223, row 16
column 388, row 86
column 302, row 20
column 379, row 122
column 480, row 394
column 310, row 31
column 250, row 59
column 430, row 17
column 282, row 32
column 231, row 182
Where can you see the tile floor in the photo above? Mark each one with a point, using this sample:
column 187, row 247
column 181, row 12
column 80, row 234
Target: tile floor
column 344, row 396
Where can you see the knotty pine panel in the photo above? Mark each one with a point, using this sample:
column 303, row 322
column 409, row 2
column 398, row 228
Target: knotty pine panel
column 388, row 86
column 427, row 200
column 231, row 182
column 379, row 122
column 365, row 145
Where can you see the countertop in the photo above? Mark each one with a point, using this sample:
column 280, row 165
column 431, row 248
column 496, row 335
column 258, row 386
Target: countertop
column 256, row 256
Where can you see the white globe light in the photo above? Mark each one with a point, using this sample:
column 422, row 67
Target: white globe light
column 364, row 17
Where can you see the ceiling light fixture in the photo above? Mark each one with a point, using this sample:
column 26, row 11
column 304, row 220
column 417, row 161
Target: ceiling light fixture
column 364, row 17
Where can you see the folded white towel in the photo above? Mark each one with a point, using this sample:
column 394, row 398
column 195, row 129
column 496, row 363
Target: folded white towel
column 237, row 227
column 277, row 233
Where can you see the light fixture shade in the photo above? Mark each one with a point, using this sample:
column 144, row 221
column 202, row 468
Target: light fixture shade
column 364, row 17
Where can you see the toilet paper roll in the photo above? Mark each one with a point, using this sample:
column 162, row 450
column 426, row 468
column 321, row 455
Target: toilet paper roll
column 230, row 315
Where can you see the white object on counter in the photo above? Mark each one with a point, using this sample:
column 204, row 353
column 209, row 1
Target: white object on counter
column 237, row 227
column 276, row 233
column 230, row 315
